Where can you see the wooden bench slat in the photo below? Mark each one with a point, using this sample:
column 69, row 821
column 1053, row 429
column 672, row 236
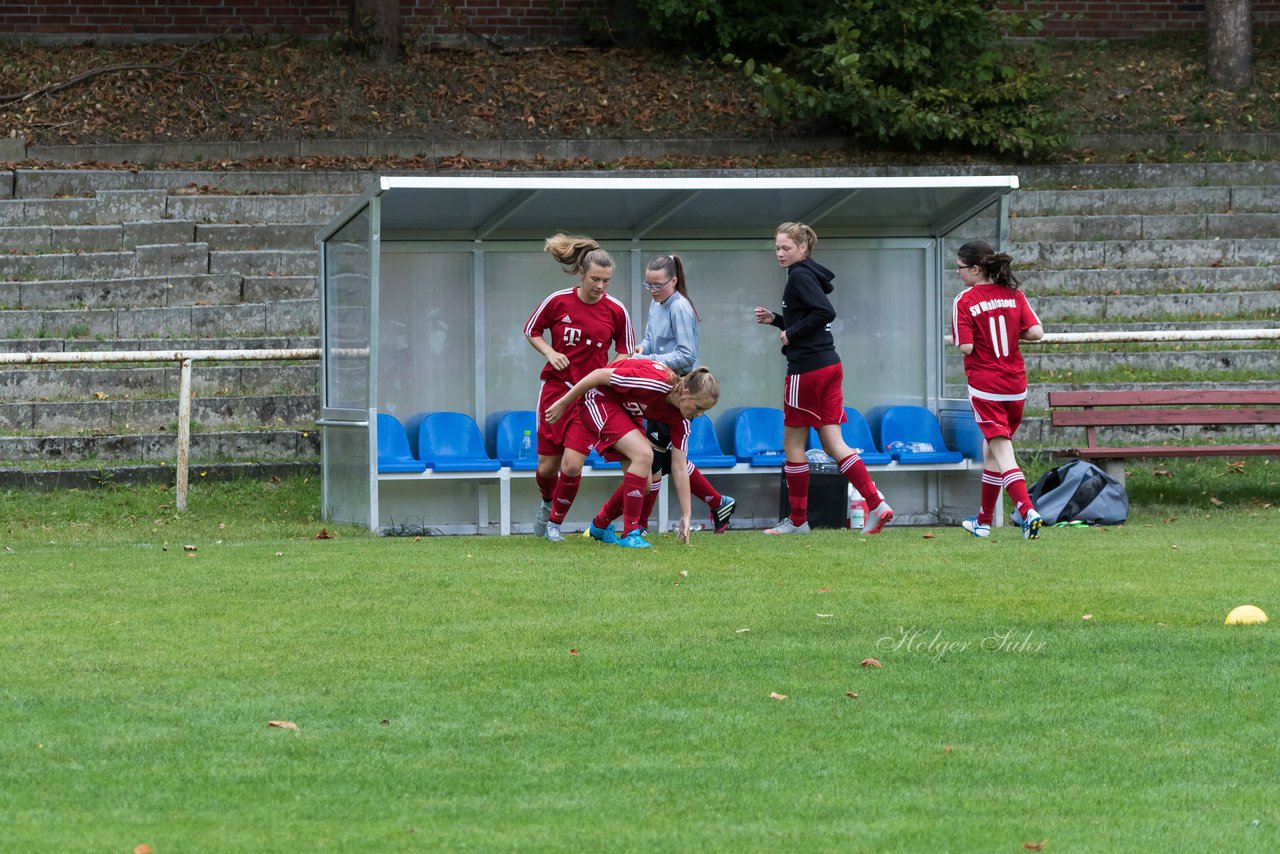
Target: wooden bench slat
column 1170, row 451
column 1167, row 397
column 1135, row 417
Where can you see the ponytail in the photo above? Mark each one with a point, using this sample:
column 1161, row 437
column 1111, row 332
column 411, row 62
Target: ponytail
column 996, row 266
column 577, row 254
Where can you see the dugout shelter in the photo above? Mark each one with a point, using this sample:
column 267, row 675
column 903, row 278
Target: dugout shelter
column 426, row 283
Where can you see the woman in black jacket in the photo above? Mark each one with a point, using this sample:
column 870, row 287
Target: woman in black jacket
column 812, row 392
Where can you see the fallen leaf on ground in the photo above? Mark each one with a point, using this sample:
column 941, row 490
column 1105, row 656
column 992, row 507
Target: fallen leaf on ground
column 324, row 534
column 1174, row 547
column 927, row 536
column 1087, row 617
column 853, row 694
column 144, row 848
column 871, row 662
column 774, row 695
column 1216, row 502
column 283, row 725
column 573, row 652
column 189, row 548
column 740, row 631
column 684, row 573
column 824, row 616
column 1034, row 846
column 824, row 589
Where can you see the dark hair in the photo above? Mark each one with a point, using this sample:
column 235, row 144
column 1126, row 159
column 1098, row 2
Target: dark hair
column 994, row 265
column 577, row 254
column 669, row 266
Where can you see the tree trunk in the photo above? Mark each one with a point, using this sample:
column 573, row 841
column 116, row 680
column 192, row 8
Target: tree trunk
column 383, row 23
column 1230, row 48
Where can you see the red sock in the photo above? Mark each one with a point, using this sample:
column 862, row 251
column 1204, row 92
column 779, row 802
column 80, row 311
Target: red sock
column 1016, row 485
column 566, row 491
column 546, row 485
column 611, row 510
column 634, row 489
column 992, row 483
column 701, row 487
column 797, row 475
column 855, row 471
column 650, row 499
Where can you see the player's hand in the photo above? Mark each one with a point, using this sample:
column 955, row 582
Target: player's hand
column 785, row 342
column 558, row 360
column 639, row 351
column 555, row 411
column 682, row 531
column 763, row 315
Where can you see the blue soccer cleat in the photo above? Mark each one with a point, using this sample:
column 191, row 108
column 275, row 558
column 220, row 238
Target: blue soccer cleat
column 604, row 535
column 635, row 540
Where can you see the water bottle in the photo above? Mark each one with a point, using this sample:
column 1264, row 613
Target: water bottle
column 920, row 447
column 857, row 511
column 896, row 447
column 526, row 446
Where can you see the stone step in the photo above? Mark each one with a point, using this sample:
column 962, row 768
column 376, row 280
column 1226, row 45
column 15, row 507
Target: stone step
column 1037, row 432
column 94, row 238
column 51, row 183
column 21, row 384
column 1119, row 307
column 273, row 288
column 1038, row 392
column 163, row 259
column 220, row 236
column 315, row 210
column 100, row 207
column 161, row 448
column 73, row 345
column 266, row 262
column 1164, row 326
column 284, row 317
column 157, row 414
column 1144, row 227
column 1150, row 280
column 1164, row 359
column 1145, row 254
column 131, row 292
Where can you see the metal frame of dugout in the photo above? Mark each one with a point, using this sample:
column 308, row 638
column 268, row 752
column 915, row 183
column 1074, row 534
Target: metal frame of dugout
column 426, row 283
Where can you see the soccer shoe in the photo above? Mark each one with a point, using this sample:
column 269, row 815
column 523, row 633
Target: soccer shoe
column 604, row 535
column 721, row 515
column 540, row 521
column 553, row 534
column 635, row 540
column 878, row 518
column 1031, row 526
column 787, row 527
column 973, row 526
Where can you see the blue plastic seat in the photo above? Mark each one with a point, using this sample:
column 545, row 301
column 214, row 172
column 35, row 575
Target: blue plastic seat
column 757, row 436
column 394, row 454
column 595, row 461
column 449, row 441
column 962, row 432
column 704, row 448
column 506, row 431
column 857, row 435
column 915, row 424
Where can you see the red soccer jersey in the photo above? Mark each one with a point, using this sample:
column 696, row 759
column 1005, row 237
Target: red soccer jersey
column 991, row 318
column 582, row 331
column 641, row 386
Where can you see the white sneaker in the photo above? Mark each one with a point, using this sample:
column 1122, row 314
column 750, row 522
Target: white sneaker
column 553, row 534
column 973, row 526
column 878, row 518
column 540, row 521
column 786, row 527
column 1031, row 526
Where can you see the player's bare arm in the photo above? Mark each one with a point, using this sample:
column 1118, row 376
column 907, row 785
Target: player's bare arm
column 558, row 360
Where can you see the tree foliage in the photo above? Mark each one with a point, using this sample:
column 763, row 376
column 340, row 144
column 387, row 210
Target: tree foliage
column 898, row 72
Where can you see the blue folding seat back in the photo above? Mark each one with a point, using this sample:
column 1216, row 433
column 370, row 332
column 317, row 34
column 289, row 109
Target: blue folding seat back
column 962, row 432
column 394, row 454
column 450, row 441
column 508, row 432
column 595, row 461
column 857, row 435
column 915, row 424
column 757, row 436
column 704, row 448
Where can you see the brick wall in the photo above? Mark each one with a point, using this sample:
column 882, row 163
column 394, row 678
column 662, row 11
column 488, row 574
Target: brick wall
column 534, row 20
column 1133, row 18
column 513, row 19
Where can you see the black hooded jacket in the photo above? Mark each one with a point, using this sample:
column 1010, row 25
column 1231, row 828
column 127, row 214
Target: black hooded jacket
column 806, row 316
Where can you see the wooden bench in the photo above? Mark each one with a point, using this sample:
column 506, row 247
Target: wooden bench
column 1162, row 407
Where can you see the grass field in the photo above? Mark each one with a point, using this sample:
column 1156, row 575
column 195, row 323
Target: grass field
column 1078, row 692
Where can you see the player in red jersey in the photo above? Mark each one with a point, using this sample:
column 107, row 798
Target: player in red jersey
column 812, row 392
column 617, row 401
column 572, row 329
column 988, row 319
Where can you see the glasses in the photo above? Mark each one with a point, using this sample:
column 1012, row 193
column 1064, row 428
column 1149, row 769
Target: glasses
column 657, row 286
column 965, row 266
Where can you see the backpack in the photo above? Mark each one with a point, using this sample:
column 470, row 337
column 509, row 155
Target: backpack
column 1080, row 491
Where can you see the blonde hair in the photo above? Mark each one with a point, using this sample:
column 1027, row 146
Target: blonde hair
column 577, row 254
column 700, row 385
column 800, row 234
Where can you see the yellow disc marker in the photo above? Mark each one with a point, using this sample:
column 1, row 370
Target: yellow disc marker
column 1246, row 615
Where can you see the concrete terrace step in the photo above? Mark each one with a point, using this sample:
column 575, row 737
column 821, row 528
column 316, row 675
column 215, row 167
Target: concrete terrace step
column 1235, row 304
column 266, row 262
column 220, row 236
column 1145, row 254
column 1038, row 392
column 1162, row 326
column 51, row 183
column 1157, row 360
column 156, row 260
column 43, row 383
column 1145, row 227
column 132, row 292
column 1149, row 280
column 157, row 414
column 162, row 447
column 100, row 207
column 284, row 317
column 94, row 238
column 313, row 210
column 1037, row 432
column 73, row 345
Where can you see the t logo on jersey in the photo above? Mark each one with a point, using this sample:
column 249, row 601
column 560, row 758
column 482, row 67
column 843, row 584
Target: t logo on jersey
column 571, row 335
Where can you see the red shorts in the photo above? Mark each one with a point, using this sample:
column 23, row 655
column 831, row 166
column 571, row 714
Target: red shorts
column 814, row 398
column 551, row 436
column 601, row 424
column 997, row 419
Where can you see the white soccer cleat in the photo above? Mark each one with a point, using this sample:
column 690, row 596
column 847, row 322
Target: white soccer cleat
column 878, row 518
column 973, row 526
column 1031, row 526
column 787, row 527
column 540, row 521
column 553, row 534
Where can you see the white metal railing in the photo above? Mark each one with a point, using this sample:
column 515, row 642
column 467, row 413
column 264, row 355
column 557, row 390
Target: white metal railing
column 184, row 358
